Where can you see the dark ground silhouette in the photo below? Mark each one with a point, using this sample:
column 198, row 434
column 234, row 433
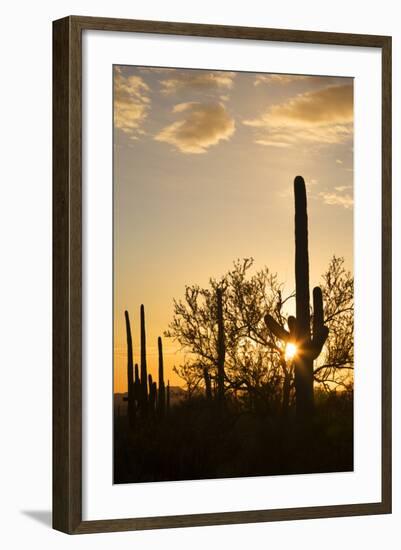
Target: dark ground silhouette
column 196, row 441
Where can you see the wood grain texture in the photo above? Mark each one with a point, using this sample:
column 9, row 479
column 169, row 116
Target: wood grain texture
column 67, row 274
column 67, row 277
column 229, row 518
column 219, row 31
column 386, row 274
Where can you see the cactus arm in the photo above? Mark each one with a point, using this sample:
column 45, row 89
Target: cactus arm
column 318, row 341
column 317, row 309
column 319, row 331
column 292, row 326
column 276, row 328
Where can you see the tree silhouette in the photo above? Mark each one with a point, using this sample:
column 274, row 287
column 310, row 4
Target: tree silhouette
column 191, row 374
column 255, row 364
column 335, row 368
column 254, row 359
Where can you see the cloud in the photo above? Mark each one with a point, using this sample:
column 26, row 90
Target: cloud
column 291, row 136
column 275, row 79
column 345, row 200
column 322, row 116
column 342, row 188
column 273, row 142
column 156, row 70
column 131, row 103
column 286, row 79
column 197, row 81
column 332, row 105
column 202, row 125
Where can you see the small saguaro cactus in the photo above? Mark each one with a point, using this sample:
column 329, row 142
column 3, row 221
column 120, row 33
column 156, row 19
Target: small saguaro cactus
column 130, row 373
column 153, row 397
column 221, row 347
column 161, row 400
column 137, row 379
column 152, row 394
column 144, row 370
column 308, row 345
column 137, row 387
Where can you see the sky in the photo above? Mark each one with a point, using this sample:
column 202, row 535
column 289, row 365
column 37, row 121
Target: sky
column 204, row 163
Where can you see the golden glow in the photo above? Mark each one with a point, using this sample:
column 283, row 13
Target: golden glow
column 290, row 351
column 171, row 193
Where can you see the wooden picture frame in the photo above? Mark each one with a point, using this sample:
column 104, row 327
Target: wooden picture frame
column 67, row 274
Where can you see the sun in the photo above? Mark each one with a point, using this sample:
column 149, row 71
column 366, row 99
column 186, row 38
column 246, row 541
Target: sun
column 290, row 351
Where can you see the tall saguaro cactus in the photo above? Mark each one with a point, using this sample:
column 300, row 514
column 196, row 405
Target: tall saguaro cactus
column 130, row 373
column 144, row 370
column 161, row 401
column 221, row 346
column 308, row 345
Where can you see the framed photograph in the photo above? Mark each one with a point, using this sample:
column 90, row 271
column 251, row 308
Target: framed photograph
column 222, row 275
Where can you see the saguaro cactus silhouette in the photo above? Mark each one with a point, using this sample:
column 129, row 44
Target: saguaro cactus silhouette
column 130, row 373
column 152, row 394
column 137, row 387
column 144, row 370
column 221, row 347
column 153, row 398
column 161, row 401
column 308, row 345
column 168, row 396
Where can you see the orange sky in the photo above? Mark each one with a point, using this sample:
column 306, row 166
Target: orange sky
column 203, row 168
